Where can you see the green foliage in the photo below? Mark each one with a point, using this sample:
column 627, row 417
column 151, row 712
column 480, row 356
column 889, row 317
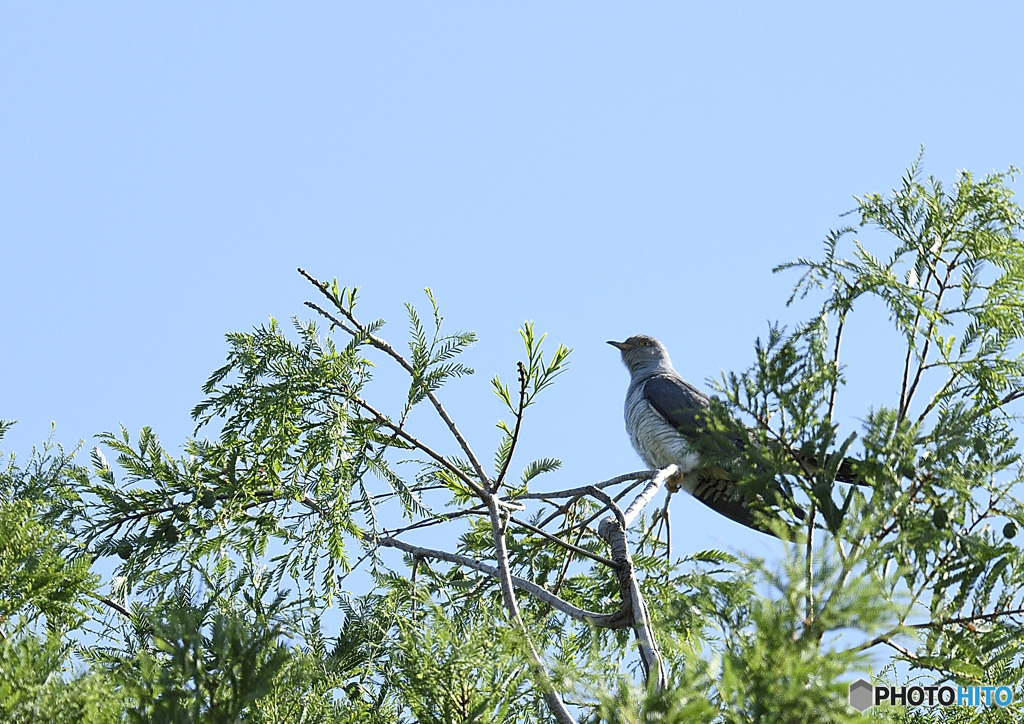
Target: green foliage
column 204, row 665
column 458, row 671
column 37, row 684
column 45, row 597
column 781, row 664
column 432, row 361
column 944, row 460
column 309, row 477
column 686, row 700
column 39, row 583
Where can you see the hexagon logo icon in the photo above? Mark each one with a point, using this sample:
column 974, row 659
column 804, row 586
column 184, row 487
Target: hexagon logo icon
column 862, row 695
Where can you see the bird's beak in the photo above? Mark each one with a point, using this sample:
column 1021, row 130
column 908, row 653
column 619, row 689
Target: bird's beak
column 621, row 346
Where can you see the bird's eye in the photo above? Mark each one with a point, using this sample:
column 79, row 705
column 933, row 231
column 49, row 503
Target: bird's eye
column 645, row 343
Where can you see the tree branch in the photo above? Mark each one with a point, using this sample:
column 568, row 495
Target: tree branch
column 613, row 531
column 114, row 605
column 992, row 615
column 475, row 487
column 540, row 677
column 515, row 433
column 584, row 490
column 835, row 363
column 385, row 347
column 565, row 544
column 600, row 511
column 601, row 620
column 649, row 491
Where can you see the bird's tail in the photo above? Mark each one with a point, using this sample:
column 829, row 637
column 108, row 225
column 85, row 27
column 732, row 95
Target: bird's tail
column 847, row 472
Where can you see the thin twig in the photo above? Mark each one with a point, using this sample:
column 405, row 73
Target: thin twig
column 649, row 491
column 809, row 564
column 413, row 489
column 412, row 579
column 565, row 544
column 382, row 419
column 597, row 619
column 902, row 650
column 437, row 520
column 835, row 363
column 515, row 433
column 607, row 500
column 1010, row 397
column 968, row 619
column 385, row 347
column 117, row 607
column 540, row 677
column 600, row 511
column 565, row 565
column 333, row 320
column 666, row 515
column 584, row 490
column 905, row 408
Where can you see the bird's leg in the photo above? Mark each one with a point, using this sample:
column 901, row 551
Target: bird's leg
column 673, row 481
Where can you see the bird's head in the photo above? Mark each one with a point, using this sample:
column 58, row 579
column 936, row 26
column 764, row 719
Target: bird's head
column 642, row 351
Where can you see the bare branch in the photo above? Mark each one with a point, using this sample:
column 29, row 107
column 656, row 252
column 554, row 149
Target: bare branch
column 383, row 419
column 1010, row 397
column 580, row 492
column 649, row 491
column 477, row 509
column 613, row 530
column 540, row 677
column 902, row 650
column 809, row 563
column 992, row 615
column 565, row 565
column 835, row 363
column 333, row 320
column 565, row 544
column 607, row 500
column 600, row 511
column 602, row 620
column 116, row 606
column 667, row 517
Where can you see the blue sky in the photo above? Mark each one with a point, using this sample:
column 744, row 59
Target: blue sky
column 603, row 169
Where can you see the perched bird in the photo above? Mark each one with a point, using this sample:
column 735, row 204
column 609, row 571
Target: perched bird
column 664, row 417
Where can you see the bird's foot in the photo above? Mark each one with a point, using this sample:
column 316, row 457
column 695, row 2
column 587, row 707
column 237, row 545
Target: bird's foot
column 673, row 481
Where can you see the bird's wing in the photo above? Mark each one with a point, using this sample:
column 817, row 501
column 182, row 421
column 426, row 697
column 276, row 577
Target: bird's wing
column 683, row 406
column 679, row 402
column 845, row 474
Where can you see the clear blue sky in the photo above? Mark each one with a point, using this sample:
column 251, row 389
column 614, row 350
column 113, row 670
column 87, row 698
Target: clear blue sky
column 604, row 169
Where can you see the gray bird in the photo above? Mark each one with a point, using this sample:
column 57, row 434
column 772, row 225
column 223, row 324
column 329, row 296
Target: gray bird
column 663, row 417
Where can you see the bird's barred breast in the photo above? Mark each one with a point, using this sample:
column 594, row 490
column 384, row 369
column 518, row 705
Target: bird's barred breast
column 654, row 439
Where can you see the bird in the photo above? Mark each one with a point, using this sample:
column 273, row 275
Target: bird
column 665, row 417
